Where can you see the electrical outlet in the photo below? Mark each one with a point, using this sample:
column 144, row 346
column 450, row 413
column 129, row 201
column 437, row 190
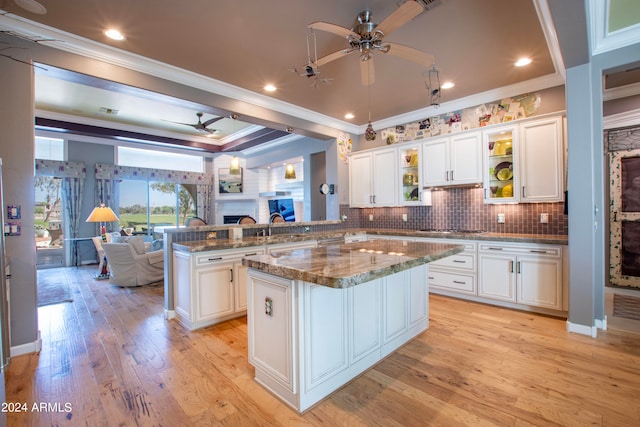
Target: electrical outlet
column 500, row 218
column 370, row 217
column 404, row 217
column 544, row 218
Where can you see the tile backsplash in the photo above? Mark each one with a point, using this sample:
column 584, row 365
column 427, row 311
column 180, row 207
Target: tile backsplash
column 463, row 209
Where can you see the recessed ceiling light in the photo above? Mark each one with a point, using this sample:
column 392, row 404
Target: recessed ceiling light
column 114, row 34
column 269, row 88
column 522, row 62
column 31, row 6
column 447, row 85
column 349, row 116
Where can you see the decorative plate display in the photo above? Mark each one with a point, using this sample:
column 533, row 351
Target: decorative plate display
column 504, row 171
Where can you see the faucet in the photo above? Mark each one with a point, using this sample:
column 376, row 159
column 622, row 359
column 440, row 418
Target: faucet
column 262, row 232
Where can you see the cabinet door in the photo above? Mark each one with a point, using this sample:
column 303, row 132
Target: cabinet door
column 214, row 291
column 360, row 184
column 182, row 285
column 541, row 161
column 435, row 162
column 385, row 178
column 540, row 281
column 270, row 325
column 496, row 276
column 466, row 158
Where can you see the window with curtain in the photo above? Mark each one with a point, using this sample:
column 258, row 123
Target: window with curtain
column 146, row 205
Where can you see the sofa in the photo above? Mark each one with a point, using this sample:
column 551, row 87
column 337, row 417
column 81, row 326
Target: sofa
column 131, row 264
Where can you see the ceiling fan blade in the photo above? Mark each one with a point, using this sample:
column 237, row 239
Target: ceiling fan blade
column 367, row 74
column 211, row 121
column 405, row 13
column 411, row 54
column 333, row 56
column 332, row 28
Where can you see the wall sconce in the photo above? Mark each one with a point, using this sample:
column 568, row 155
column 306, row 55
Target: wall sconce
column 289, row 171
column 234, row 166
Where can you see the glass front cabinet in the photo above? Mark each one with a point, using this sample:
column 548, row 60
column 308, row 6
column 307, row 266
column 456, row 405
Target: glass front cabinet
column 501, row 174
column 411, row 187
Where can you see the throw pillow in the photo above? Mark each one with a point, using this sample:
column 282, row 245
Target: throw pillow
column 157, row 244
column 138, row 244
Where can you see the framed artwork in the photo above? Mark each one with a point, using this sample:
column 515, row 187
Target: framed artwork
column 228, row 183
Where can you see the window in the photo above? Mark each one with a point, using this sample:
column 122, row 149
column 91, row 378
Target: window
column 145, row 206
column 138, row 157
column 49, row 148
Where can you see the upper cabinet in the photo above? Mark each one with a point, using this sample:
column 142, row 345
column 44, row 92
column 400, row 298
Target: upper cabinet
column 452, row 160
column 501, row 168
column 373, row 178
column 542, row 161
column 411, row 191
column 524, row 162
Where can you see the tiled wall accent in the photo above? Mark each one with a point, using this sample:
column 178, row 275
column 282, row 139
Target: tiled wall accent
column 463, row 209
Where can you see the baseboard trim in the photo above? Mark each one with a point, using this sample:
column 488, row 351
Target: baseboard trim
column 591, row 331
column 32, row 347
column 602, row 323
column 169, row 314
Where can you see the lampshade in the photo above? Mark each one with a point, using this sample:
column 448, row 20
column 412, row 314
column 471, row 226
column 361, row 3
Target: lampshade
column 289, row 171
column 234, row 166
column 102, row 213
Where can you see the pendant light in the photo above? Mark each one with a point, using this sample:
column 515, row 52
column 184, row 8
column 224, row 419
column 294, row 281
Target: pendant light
column 289, row 171
column 369, row 133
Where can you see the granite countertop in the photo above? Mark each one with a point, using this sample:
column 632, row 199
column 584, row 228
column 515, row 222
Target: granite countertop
column 223, row 244
column 344, row 265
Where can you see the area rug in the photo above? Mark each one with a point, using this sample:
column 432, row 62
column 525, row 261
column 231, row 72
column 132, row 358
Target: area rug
column 53, row 287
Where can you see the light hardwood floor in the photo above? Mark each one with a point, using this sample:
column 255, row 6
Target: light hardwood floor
column 113, row 358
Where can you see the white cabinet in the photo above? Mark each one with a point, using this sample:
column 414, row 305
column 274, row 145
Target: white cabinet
column 373, row 178
column 210, row 287
column 541, row 160
column 524, row 162
column 453, row 160
column 529, row 275
column 456, row 273
column 306, row 340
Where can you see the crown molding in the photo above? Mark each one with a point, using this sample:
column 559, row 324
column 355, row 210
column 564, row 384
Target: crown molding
column 540, row 83
column 620, row 120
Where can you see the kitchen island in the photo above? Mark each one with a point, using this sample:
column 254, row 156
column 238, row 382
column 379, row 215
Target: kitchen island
column 319, row 317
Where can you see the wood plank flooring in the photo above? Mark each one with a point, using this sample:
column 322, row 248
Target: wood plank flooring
column 112, row 359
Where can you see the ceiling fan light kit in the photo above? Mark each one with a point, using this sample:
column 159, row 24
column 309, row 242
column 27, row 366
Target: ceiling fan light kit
column 366, row 37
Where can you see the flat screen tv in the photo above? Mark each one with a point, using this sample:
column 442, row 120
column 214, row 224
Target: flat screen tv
column 284, row 207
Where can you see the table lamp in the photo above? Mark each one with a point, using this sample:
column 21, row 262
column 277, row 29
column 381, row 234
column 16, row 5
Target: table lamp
column 103, row 214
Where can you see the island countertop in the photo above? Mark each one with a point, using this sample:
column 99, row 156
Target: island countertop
column 343, row 265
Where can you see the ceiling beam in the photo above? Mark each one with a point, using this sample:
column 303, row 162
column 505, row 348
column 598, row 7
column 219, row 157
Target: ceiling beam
column 254, row 139
column 109, row 133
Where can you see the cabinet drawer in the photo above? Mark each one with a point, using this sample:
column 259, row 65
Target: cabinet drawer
column 453, row 282
column 555, row 251
column 210, row 258
column 460, row 261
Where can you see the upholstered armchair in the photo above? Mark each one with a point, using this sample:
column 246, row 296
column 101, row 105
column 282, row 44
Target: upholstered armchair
column 131, row 265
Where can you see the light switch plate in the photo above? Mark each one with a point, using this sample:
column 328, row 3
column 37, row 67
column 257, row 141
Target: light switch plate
column 404, row 217
column 544, row 218
column 370, row 217
column 500, row 218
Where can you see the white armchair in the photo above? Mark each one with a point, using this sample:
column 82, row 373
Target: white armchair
column 130, row 265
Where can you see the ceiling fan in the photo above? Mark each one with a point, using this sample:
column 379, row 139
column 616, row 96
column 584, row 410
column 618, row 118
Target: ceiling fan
column 366, row 37
column 202, row 127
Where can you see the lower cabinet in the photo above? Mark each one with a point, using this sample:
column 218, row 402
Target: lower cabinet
column 210, row 287
column 519, row 275
column 306, row 340
column 529, row 275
